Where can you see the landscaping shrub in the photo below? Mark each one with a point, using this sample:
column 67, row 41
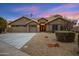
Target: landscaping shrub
column 65, row 36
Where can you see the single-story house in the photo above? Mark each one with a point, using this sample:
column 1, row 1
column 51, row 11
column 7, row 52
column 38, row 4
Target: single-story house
column 25, row 24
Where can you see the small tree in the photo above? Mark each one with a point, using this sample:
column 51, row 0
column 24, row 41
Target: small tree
column 74, row 22
column 3, row 24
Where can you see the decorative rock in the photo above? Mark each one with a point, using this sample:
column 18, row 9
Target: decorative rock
column 53, row 45
column 46, row 36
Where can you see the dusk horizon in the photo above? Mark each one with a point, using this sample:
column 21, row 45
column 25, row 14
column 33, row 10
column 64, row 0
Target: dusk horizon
column 12, row 11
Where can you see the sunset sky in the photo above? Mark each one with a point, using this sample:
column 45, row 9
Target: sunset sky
column 12, row 11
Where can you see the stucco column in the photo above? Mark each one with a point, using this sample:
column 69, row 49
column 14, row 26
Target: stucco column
column 38, row 28
column 27, row 28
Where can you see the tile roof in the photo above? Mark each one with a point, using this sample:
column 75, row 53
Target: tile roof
column 51, row 18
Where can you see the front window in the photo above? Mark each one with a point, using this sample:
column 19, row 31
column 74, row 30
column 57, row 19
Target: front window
column 55, row 27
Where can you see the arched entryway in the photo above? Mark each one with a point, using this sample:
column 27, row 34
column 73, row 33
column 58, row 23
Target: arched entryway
column 42, row 27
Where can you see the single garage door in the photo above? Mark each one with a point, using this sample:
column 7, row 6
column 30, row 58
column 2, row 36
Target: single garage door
column 33, row 28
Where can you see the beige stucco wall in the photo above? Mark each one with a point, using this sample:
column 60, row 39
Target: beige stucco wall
column 48, row 27
column 58, row 21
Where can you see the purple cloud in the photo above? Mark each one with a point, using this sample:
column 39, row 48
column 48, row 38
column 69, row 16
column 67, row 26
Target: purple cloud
column 64, row 10
column 26, row 9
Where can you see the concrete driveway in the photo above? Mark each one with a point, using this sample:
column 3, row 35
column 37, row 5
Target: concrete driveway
column 8, row 50
column 16, row 39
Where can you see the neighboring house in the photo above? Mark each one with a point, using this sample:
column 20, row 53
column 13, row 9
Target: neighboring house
column 54, row 23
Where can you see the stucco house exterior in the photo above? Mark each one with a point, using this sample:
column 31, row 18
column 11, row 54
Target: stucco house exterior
column 51, row 24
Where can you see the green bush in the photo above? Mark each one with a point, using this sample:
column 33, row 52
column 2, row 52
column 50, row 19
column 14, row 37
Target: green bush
column 65, row 36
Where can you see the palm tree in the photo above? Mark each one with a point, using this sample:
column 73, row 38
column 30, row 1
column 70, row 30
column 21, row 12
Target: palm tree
column 3, row 24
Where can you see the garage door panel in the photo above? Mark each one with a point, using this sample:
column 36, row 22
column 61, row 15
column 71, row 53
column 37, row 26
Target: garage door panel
column 19, row 29
column 33, row 28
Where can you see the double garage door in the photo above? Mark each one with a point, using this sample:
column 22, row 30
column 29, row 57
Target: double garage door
column 33, row 28
column 18, row 29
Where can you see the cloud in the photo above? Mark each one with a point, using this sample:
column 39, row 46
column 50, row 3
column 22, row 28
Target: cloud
column 46, row 15
column 69, row 13
column 68, row 10
column 62, row 8
column 26, row 9
column 65, row 6
column 73, row 15
column 65, row 10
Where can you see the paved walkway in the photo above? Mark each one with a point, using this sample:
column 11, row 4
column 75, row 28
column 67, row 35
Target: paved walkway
column 39, row 46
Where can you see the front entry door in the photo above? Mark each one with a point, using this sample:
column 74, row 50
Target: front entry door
column 42, row 28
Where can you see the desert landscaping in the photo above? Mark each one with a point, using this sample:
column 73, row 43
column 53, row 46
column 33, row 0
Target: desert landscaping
column 39, row 45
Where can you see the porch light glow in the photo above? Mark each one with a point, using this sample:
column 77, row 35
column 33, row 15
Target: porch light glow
column 38, row 26
column 9, row 26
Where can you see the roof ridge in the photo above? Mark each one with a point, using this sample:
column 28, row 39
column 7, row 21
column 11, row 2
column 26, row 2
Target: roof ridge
column 19, row 19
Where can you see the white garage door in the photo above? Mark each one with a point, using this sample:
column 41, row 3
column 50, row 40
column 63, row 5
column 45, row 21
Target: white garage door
column 33, row 28
column 19, row 29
